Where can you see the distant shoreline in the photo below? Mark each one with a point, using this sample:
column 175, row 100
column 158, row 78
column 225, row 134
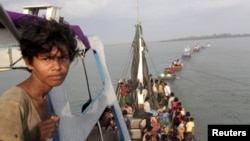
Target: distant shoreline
column 215, row 36
column 206, row 37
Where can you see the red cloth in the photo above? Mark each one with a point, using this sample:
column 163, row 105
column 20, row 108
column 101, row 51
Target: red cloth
column 124, row 90
column 175, row 104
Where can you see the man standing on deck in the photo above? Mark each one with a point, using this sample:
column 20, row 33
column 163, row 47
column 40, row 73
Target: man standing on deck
column 171, row 99
column 156, row 89
column 189, row 129
column 167, row 90
column 124, row 92
column 161, row 92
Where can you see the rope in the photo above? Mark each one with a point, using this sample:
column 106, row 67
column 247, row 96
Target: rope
column 151, row 60
column 82, row 55
column 124, row 74
column 126, row 66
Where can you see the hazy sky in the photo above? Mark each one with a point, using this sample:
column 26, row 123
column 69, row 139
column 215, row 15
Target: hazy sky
column 113, row 20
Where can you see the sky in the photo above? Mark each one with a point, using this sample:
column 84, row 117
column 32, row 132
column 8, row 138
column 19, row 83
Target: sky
column 114, row 20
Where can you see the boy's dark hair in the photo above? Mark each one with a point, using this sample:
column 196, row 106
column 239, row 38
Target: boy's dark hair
column 42, row 35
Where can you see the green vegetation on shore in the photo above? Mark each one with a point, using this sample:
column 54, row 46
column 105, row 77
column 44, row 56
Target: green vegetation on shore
column 215, row 36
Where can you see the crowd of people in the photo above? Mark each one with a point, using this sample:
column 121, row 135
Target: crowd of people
column 171, row 122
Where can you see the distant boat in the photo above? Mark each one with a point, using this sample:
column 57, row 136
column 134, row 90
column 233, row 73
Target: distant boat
column 169, row 72
column 176, row 67
column 197, row 48
column 167, row 77
column 186, row 52
column 208, row 45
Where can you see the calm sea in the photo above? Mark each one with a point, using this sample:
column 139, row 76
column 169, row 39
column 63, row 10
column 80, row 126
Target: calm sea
column 213, row 84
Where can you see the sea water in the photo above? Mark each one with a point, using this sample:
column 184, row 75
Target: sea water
column 213, row 84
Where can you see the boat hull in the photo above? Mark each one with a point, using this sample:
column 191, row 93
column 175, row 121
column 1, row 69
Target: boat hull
column 196, row 49
column 166, row 77
column 176, row 68
column 186, row 55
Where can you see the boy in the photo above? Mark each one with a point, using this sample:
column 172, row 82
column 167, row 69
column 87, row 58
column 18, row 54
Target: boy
column 48, row 48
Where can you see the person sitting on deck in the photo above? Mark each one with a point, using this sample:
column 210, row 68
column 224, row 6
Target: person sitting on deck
column 109, row 131
column 126, row 118
column 147, row 107
column 128, row 108
column 155, row 123
column 146, row 123
column 107, row 120
column 164, row 117
column 148, row 135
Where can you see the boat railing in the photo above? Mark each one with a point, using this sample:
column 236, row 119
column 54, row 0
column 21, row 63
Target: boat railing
column 90, row 116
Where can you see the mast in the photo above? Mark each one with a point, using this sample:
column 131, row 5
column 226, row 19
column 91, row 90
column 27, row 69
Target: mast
column 141, row 47
column 139, row 68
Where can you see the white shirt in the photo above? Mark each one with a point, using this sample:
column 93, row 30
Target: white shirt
column 167, row 90
column 154, row 88
column 171, row 99
column 147, row 107
column 140, row 97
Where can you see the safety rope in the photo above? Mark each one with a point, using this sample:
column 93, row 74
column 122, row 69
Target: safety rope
column 151, row 60
column 127, row 64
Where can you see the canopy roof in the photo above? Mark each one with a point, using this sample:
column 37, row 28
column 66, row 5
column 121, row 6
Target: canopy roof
column 20, row 19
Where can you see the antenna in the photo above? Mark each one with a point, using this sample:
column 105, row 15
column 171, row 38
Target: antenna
column 137, row 8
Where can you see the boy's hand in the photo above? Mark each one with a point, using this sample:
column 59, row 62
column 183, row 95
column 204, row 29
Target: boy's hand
column 48, row 127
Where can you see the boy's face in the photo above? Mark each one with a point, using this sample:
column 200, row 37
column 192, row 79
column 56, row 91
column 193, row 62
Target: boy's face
column 50, row 68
